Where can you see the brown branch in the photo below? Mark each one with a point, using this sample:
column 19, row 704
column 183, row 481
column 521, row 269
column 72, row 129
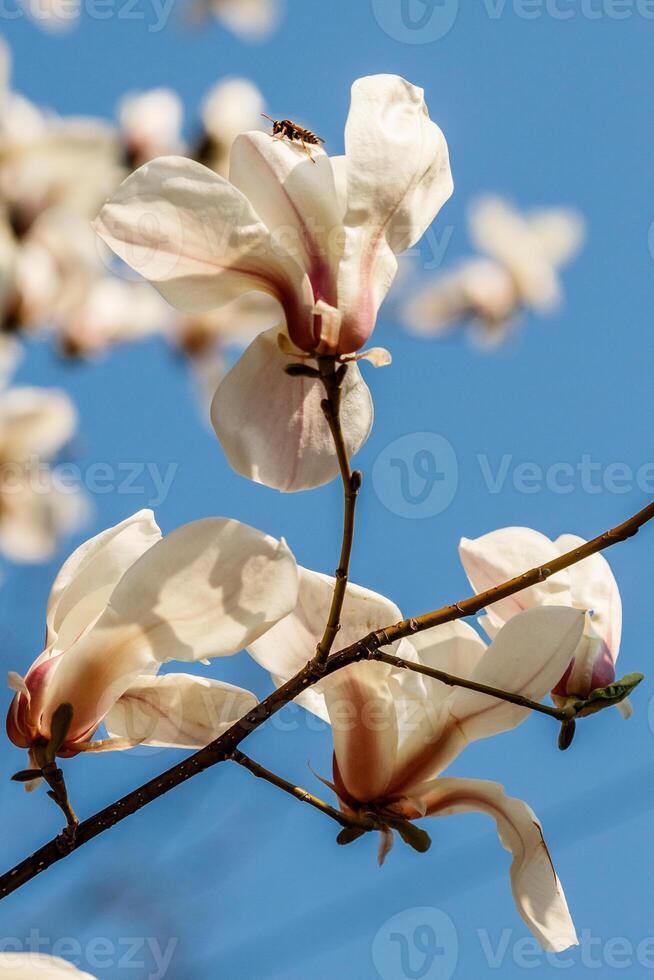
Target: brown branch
column 357, row 822
column 224, row 747
column 332, row 377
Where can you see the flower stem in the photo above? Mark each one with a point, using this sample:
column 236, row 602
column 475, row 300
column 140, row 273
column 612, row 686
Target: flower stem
column 362, row 823
column 224, row 746
column 332, row 377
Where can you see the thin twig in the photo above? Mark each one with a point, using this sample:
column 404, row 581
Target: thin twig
column 332, row 377
column 361, row 823
column 223, row 747
column 561, row 714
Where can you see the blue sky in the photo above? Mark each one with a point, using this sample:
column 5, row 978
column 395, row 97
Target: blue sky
column 546, row 108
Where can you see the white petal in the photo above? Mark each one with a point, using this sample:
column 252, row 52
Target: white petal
column 297, row 201
column 87, row 578
column 287, row 648
column 536, row 888
column 502, row 555
column 398, row 178
column 231, row 107
column 177, row 710
column 528, row 657
column 593, row 587
column 199, row 241
column 271, row 426
column 37, row 966
column 398, row 171
column 560, row 232
column 251, row 19
column 206, row 590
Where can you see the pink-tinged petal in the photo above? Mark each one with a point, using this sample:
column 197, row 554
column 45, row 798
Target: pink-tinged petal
column 38, row 966
column 199, row 241
column 271, row 426
column 536, row 888
column 362, row 713
column 177, row 711
column 297, row 201
column 34, row 422
column 206, row 590
column 593, row 587
column 87, row 578
column 398, row 178
column 503, row 554
column 527, row 657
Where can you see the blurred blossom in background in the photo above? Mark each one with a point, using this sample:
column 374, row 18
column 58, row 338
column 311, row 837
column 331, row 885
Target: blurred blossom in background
column 227, row 877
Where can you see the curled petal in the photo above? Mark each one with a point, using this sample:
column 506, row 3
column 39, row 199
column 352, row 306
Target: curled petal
column 87, row 578
column 536, row 888
column 177, row 711
column 199, row 241
column 398, row 178
column 271, row 426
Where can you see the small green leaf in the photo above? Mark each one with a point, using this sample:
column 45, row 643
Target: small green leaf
column 604, row 697
column 59, row 728
column 26, row 775
column 348, row 835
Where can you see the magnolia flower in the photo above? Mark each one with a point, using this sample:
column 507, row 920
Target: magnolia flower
column 130, row 600
column 588, row 586
column 112, row 312
column 396, row 731
column 251, row 20
column 53, row 15
column 46, row 159
column 151, row 124
column 320, row 237
column 35, row 508
column 230, row 108
column 519, row 271
column 38, row 966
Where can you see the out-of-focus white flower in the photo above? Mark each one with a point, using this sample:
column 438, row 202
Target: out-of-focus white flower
column 520, row 271
column 36, row 510
column 112, row 312
column 588, row 585
column 320, row 236
column 151, row 124
column 231, row 107
column 252, row 20
column 128, row 601
column 396, row 731
column 53, row 15
column 38, row 966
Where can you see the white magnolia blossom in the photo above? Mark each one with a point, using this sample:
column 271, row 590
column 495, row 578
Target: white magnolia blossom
column 396, row 731
column 251, row 20
column 518, row 270
column 36, row 509
column 55, row 16
column 233, row 106
column 589, row 586
column 38, row 966
column 128, row 601
column 151, row 124
column 319, row 236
